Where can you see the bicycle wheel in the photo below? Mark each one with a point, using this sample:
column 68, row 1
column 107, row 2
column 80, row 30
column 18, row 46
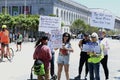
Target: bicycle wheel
column 11, row 54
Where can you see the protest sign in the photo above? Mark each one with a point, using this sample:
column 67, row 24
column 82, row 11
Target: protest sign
column 48, row 23
column 52, row 26
column 102, row 18
column 91, row 48
column 56, row 39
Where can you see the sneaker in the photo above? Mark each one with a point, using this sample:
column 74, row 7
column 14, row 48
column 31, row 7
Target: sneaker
column 54, row 77
column 77, row 77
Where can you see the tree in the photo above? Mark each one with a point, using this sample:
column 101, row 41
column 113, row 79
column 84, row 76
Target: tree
column 77, row 26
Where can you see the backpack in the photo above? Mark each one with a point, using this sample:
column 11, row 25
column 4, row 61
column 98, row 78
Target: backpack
column 39, row 67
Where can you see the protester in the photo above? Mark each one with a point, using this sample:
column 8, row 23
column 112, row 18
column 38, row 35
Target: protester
column 104, row 61
column 83, row 56
column 95, row 57
column 52, row 68
column 64, row 55
column 19, row 41
column 43, row 53
column 5, row 40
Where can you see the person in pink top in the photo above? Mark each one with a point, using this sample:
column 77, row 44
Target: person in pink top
column 43, row 53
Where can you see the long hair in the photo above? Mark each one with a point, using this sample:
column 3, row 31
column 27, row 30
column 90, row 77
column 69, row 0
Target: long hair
column 69, row 37
column 39, row 41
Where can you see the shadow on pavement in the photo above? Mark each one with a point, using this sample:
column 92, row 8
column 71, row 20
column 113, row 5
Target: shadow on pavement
column 31, row 79
column 118, row 70
column 117, row 78
column 76, row 79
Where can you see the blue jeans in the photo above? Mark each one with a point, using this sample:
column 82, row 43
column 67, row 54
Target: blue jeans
column 94, row 69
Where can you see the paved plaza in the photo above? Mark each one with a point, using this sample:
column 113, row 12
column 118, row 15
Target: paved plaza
column 19, row 68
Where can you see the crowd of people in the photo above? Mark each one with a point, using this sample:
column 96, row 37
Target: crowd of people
column 45, row 53
column 92, row 60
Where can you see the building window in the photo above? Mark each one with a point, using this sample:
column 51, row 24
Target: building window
column 61, row 14
column 15, row 10
column 42, row 11
column 57, row 13
column 4, row 10
column 26, row 10
column 64, row 16
column 67, row 16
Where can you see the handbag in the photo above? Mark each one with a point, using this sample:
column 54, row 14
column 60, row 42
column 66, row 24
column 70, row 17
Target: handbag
column 38, row 67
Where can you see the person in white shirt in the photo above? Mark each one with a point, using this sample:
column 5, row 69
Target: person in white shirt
column 104, row 61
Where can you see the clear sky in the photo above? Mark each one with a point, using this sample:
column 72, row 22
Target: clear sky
column 111, row 5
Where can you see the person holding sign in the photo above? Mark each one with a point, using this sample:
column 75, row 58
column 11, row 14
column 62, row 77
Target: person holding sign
column 103, row 40
column 63, row 57
column 83, row 55
column 96, row 55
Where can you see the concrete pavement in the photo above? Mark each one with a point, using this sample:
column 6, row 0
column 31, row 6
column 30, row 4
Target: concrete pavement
column 19, row 68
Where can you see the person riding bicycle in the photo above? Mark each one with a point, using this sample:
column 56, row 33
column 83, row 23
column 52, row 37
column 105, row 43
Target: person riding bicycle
column 4, row 36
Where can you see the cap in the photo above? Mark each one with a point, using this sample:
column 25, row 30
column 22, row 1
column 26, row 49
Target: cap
column 94, row 35
column 86, row 34
column 66, row 34
column 4, row 26
column 103, row 30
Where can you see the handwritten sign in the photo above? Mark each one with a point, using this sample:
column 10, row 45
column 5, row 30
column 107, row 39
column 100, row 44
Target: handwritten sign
column 56, row 39
column 91, row 48
column 102, row 18
column 48, row 23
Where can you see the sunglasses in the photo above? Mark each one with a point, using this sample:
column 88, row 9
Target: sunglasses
column 66, row 36
column 93, row 37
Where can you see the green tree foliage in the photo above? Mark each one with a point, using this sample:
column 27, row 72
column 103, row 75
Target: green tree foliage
column 79, row 26
column 27, row 22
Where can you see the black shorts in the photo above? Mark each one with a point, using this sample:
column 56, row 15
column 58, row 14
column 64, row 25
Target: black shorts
column 4, row 45
column 19, row 43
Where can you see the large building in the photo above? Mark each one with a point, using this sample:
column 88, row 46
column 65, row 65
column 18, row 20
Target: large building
column 67, row 10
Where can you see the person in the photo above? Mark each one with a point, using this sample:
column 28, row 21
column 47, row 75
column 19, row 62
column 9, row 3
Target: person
column 83, row 56
column 104, row 61
column 52, row 67
column 5, row 40
column 43, row 53
column 64, row 55
column 19, row 41
column 95, row 57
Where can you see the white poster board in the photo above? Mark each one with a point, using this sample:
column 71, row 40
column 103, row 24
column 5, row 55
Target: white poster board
column 91, row 48
column 56, row 39
column 52, row 25
column 102, row 18
column 48, row 23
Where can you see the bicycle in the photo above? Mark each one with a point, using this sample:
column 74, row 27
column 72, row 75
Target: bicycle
column 5, row 55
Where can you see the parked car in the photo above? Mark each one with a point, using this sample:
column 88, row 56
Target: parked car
column 116, row 37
